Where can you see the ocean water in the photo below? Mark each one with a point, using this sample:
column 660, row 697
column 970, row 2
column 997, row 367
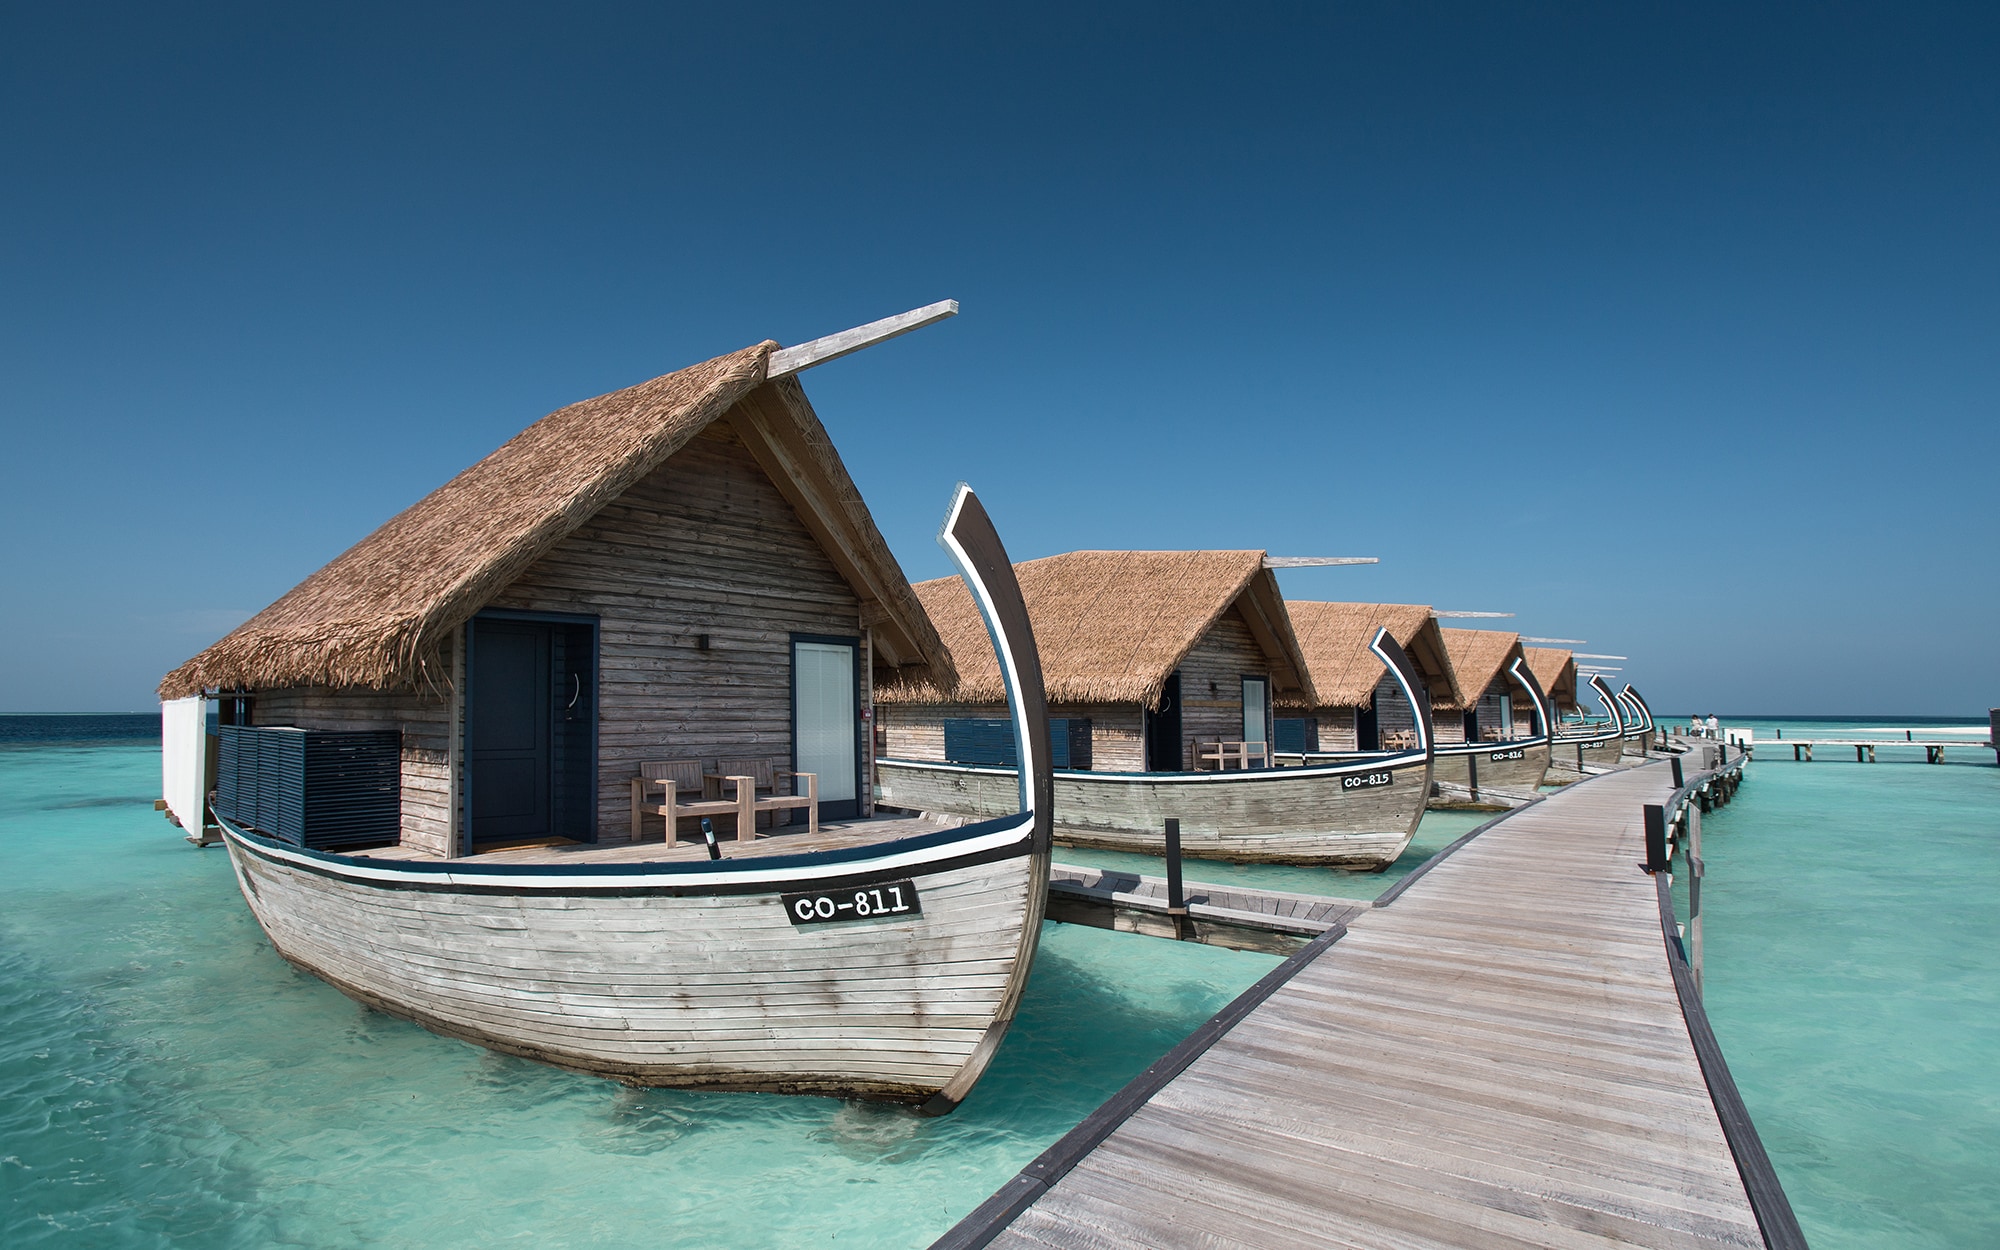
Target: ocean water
column 1851, row 917
column 167, row 1080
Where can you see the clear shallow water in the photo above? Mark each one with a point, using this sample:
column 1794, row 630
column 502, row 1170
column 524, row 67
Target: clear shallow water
column 166, row 1079
column 1436, row 831
column 1852, row 934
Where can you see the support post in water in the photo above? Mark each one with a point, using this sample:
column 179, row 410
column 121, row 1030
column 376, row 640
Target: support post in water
column 1656, row 839
column 1176, row 891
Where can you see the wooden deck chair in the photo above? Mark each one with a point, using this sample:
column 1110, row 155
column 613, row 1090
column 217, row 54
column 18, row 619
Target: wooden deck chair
column 766, row 778
column 676, row 788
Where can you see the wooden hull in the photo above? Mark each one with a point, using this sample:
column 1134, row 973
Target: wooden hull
column 1320, row 814
column 1516, row 767
column 681, row 974
column 1601, row 752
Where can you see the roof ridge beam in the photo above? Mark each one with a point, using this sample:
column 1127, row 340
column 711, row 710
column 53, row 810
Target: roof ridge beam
column 789, row 360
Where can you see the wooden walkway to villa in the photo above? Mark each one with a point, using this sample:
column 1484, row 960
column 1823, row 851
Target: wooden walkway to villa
column 1504, row 1054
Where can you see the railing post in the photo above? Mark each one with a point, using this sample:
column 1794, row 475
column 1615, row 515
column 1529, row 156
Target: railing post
column 1176, row 892
column 1679, row 780
column 1695, row 869
column 1656, row 839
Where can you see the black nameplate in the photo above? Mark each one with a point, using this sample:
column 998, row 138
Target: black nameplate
column 1516, row 754
column 1366, row 781
column 890, row 898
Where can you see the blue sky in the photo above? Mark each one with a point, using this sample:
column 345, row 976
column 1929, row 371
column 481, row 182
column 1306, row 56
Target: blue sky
column 1672, row 328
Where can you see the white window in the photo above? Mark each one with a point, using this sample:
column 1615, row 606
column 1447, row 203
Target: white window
column 1256, row 708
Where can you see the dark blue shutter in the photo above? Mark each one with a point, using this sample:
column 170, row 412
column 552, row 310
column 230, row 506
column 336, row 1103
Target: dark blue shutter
column 970, row 740
column 1076, row 734
column 309, row 787
column 1289, row 734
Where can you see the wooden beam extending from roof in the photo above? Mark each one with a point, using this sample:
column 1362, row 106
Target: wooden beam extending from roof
column 1469, row 615
column 1573, row 642
column 1585, row 655
column 1314, row 562
column 787, row 360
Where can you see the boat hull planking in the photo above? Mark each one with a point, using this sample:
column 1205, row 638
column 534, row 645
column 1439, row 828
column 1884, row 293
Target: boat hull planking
column 1499, row 766
column 1316, row 815
column 717, row 991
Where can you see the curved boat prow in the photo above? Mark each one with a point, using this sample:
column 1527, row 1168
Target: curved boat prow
column 1644, row 709
column 969, row 538
column 1400, row 666
column 1640, row 731
column 1612, row 706
column 1524, row 677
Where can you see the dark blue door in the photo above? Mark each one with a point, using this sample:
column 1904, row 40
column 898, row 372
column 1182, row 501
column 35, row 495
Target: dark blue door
column 1164, row 753
column 508, row 715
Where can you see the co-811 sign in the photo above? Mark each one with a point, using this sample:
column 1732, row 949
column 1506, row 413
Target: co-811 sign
column 862, row 902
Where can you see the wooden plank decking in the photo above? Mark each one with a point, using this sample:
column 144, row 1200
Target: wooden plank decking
column 1498, row 1058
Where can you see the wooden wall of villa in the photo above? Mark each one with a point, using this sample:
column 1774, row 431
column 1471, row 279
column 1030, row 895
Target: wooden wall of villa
column 915, row 731
column 423, row 716
column 706, row 545
column 1339, row 727
column 1450, row 725
column 1211, row 675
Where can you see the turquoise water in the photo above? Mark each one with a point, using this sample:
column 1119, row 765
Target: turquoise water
column 166, row 1079
column 1434, row 833
column 1852, row 973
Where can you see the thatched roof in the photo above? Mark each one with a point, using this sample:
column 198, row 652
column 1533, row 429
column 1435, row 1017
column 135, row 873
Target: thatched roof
column 1555, row 669
column 378, row 615
column 1335, row 638
column 1111, row 626
column 1479, row 657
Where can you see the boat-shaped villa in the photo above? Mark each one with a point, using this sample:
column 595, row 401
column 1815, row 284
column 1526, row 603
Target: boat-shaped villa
column 1493, row 738
column 1555, row 671
column 1601, row 742
column 1359, row 705
column 1164, row 669
column 570, row 758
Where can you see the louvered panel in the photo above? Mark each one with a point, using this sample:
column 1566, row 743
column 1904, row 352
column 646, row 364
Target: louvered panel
column 982, row 740
column 1290, row 734
column 310, row 787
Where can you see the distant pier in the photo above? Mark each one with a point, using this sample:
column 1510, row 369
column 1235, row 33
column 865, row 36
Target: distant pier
column 1864, row 748
column 1507, row 1050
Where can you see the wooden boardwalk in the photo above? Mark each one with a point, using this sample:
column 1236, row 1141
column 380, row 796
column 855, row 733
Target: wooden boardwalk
column 1496, row 1058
